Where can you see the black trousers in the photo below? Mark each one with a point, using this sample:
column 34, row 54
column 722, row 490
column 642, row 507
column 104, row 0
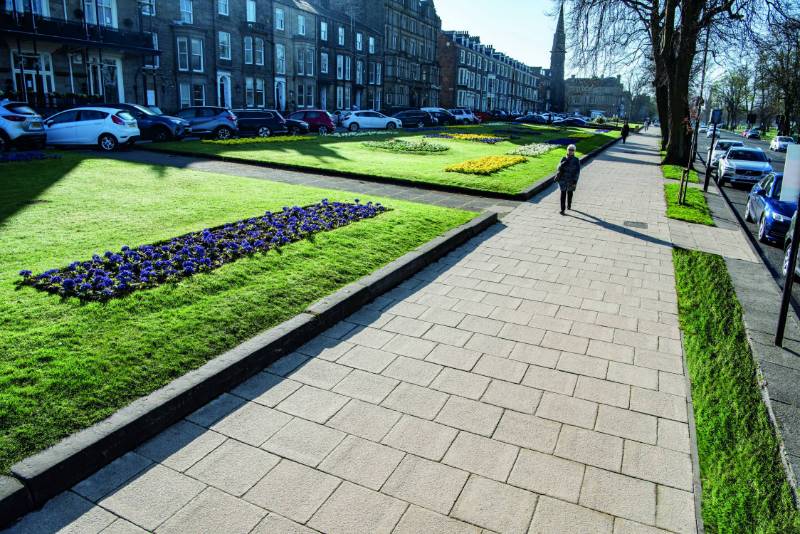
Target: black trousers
column 566, row 199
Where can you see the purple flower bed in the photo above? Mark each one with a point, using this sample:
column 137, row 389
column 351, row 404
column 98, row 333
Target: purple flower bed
column 564, row 141
column 601, row 131
column 33, row 155
column 117, row 273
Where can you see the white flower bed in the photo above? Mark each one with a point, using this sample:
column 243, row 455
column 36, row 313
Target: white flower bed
column 532, row 150
column 368, row 133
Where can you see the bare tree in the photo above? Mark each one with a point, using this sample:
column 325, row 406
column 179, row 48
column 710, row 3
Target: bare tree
column 734, row 92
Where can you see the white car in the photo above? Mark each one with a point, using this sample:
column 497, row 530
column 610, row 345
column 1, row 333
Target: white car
column 106, row 128
column 712, row 131
column 464, row 116
column 720, row 147
column 781, row 143
column 742, row 164
column 369, row 119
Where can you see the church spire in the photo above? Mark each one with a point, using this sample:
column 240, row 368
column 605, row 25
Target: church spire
column 558, row 57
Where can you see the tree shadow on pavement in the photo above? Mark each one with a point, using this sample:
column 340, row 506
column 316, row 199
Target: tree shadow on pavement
column 620, row 229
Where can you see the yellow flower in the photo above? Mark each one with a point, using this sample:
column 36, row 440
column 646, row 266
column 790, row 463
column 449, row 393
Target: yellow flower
column 486, row 165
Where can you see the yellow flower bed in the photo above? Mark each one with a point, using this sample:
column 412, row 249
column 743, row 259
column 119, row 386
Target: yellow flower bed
column 476, row 137
column 485, row 165
column 258, row 140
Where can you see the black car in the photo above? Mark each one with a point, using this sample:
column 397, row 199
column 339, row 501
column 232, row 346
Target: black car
column 444, row 117
column 531, row 119
column 153, row 125
column 297, row 127
column 571, row 121
column 415, row 118
column 261, row 122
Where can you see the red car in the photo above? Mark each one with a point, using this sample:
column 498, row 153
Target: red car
column 318, row 120
column 483, row 116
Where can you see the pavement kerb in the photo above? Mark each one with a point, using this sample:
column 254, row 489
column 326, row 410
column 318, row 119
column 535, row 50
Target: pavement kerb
column 524, row 195
column 52, row 471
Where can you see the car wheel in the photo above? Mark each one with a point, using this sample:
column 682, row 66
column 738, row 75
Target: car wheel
column 323, row 130
column 161, row 135
column 762, row 230
column 264, row 131
column 294, row 130
column 223, row 133
column 107, row 142
column 390, row 126
column 354, row 127
column 420, row 124
column 748, row 215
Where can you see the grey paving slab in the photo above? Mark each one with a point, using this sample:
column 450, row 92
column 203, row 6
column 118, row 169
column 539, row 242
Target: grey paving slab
column 233, row 467
column 304, row 441
column 428, row 484
column 495, row 506
column 363, row 462
column 214, row 511
column 68, row 513
column 353, row 509
column 423, row 438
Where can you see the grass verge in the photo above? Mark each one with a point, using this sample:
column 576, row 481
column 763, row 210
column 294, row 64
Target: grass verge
column 351, row 156
column 744, row 485
column 65, row 365
column 694, row 211
column 674, row 172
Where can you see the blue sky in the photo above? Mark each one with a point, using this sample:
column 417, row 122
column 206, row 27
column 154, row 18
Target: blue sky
column 523, row 29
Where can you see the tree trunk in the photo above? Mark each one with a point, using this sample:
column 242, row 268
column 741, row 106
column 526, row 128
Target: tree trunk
column 679, row 142
column 663, row 114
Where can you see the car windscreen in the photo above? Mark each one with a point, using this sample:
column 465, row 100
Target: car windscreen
column 776, row 189
column 124, row 115
column 20, row 109
column 786, row 139
column 747, row 155
column 723, row 145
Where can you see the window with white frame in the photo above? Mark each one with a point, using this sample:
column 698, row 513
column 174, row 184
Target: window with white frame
column 249, row 92
column 154, row 60
column 359, row 41
column 148, row 7
column 347, row 104
column 222, row 7
column 301, row 96
column 371, row 45
column 279, row 20
column 323, row 63
column 187, row 13
column 371, row 74
column 323, row 30
column 104, row 11
column 224, row 42
column 197, row 55
column 183, row 54
column 37, row 7
column 280, row 59
column 310, row 95
column 341, row 35
column 360, row 72
column 300, row 62
column 185, row 91
column 198, row 94
column 347, row 67
column 339, row 97
column 248, row 50
column 309, row 62
column 261, row 94
column 379, row 74
column 301, row 24
column 251, row 10
column 339, row 67
column 259, row 51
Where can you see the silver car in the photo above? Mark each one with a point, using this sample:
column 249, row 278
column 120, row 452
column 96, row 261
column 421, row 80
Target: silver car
column 742, row 164
column 20, row 124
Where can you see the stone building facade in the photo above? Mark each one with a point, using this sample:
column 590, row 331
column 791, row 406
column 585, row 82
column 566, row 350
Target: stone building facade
column 410, row 30
column 589, row 96
column 476, row 76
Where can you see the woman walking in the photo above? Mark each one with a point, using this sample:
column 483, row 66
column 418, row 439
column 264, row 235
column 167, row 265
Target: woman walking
column 567, row 175
column 626, row 131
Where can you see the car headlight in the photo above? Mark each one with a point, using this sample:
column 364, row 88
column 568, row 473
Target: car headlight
column 781, row 218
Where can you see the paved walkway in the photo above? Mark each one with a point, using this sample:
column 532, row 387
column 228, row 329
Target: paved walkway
column 438, row 198
column 531, row 381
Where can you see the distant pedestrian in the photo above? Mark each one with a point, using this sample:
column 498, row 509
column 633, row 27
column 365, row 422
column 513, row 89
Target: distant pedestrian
column 646, row 124
column 626, row 131
column 567, row 175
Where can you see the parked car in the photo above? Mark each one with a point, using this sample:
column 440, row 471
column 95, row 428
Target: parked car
column 106, row 128
column 464, row 116
column 370, row 119
column 297, row 127
column 711, row 132
column 787, row 243
column 339, row 115
column 765, row 206
column 571, row 121
column 752, row 133
column 742, row 164
column 442, row 115
column 531, row 119
column 720, row 148
column 416, row 118
column 318, row 120
column 20, row 125
column 211, row 121
column 500, row 115
column 154, row 125
column 484, row 116
column 780, row 143
column 260, row 122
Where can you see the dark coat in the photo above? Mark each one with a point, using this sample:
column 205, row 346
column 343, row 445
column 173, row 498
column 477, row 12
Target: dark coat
column 568, row 173
column 626, row 130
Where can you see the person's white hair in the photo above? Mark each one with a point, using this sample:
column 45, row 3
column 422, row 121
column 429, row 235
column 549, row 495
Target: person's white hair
column 571, row 147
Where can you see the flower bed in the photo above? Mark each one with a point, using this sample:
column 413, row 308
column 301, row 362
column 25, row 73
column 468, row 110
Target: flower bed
column 414, row 147
column 364, row 133
column 532, row 150
column 486, row 165
column 564, row 141
column 257, row 140
column 33, row 155
column 130, row 269
column 477, row 138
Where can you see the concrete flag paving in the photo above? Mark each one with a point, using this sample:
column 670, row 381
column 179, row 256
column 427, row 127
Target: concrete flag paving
column 531, row 381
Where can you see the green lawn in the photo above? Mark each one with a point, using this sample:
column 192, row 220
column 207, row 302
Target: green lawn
column 744, row 485
column 350, row 155
column 674, row 172
column 65, row 365
column 694, row 211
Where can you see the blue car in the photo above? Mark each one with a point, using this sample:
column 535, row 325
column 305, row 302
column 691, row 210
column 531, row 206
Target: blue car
column 765, row 206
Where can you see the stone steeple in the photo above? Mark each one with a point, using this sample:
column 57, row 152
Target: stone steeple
column 558, row 56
